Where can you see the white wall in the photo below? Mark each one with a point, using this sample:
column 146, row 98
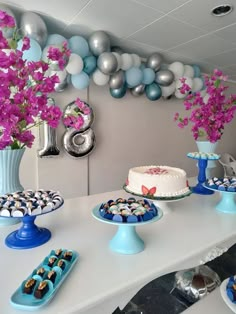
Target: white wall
column 129, row 132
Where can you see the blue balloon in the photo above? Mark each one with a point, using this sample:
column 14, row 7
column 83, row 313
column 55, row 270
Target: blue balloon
column 142, row 66
column 34, row 53
column 79, row 45
column 133, row 76
column 203, row 81
column 148, row 76
column 90, row 64
column 153, row 91
column 80, row 81
column 55, row 39
column 118, row 92
column 197, row 71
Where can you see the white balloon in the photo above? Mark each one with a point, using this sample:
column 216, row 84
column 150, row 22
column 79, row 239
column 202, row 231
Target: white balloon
column 177, row 68
column 205, row 98
column 168, row 90
column 203, row 92
column 136, row 60
column 75, row 64
column 188, row 81
column 118, row 58
column 100, row 78
column 188, row 71
column 126, row 61
column 197, row 84
column 179, row 95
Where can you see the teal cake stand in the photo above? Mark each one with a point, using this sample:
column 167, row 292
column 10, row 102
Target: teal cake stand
column 126, row 240
column 227, row 202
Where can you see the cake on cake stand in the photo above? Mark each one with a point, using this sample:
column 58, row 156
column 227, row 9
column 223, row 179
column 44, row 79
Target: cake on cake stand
column 160, row 202
column 202, row 165
column 29, row 235
column 126, row 240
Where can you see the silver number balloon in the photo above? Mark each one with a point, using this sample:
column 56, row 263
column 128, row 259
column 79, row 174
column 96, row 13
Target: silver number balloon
column 164, row 77
column 33, row 26
column 107, row 63
column 79, row 143
column 138, row 90
column 99, row 42
column 117, row 80
column 50, row 148
column 154, row 61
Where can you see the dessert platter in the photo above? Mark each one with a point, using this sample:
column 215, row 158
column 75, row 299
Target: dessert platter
column 202, row 165
column 27, row 205
column 161, row 184
column 226, row 186
column 228, row 292
column 127, row 215
column 42, row 284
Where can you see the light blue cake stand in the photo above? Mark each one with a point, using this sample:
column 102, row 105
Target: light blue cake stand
column 126, row 240
column 227, row 202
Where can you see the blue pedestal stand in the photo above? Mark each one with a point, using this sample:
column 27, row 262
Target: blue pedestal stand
column 199, row 188
column 28, row 236
column 227, row 203
column 126, row 240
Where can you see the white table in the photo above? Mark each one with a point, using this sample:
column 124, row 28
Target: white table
column 102, row 279
column 211, row 304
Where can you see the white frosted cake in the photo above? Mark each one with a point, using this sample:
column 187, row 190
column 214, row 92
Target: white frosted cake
column 157, row 181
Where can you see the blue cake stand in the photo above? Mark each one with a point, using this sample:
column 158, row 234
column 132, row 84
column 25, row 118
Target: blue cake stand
column 29, row 235
column 126, row 240
column 202, row 165
column 227, row 202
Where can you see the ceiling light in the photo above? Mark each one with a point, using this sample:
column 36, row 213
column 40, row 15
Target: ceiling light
column 222, row 10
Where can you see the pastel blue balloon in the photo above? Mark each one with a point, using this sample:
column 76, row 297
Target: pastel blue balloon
column 80, row 81
column 148, row 76
column 55, row 39
column 142, row 66
column 153, row 91
column 118, row 92
column 203, row 81
column 90, row 64
column 79, row 45
column 197, row 71
column 34, row 53
column 134, row 76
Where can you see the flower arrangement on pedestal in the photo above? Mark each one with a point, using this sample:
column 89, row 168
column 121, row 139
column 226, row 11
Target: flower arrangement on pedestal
column 208, row 113
column 24, row 89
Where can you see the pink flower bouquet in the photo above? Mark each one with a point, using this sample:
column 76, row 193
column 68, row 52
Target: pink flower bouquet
column 208, row 114
column 24, row 90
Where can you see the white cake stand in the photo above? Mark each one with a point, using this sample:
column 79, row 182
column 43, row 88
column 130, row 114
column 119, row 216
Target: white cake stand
column 161, row 202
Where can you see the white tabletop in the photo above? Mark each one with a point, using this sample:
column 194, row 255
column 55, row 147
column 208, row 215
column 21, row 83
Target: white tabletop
column 102, row 279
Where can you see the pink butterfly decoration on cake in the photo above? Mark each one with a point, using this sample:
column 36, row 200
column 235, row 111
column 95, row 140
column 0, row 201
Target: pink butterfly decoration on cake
column 147, row 191
column 127, row 182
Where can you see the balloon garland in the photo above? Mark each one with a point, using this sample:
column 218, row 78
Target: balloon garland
column 96, row 60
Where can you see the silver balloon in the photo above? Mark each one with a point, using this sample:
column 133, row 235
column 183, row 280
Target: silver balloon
column 117, row 50
column 99, row 42
column 117, row 80
column 33, row 26
column 138, row 90
column 79, row 144
column 154, row 61
column 50, row 148
column 63, row 84
column 164, row 77
column 6, row 31
column 107, row 63
column 88, row 119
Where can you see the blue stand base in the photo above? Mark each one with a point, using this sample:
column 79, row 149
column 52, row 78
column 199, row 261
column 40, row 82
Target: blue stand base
column 127, row 241
column 28, row 236
column 227, row 203
column 200, row 189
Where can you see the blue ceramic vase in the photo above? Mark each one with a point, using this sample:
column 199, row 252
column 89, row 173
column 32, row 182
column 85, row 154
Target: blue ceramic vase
column 9, row 176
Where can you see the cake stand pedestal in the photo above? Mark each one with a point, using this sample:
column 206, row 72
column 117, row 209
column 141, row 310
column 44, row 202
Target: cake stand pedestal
column 126, row 240
column 202, row 165
column 227, row 202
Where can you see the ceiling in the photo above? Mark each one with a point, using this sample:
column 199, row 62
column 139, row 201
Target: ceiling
column 180, row 30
